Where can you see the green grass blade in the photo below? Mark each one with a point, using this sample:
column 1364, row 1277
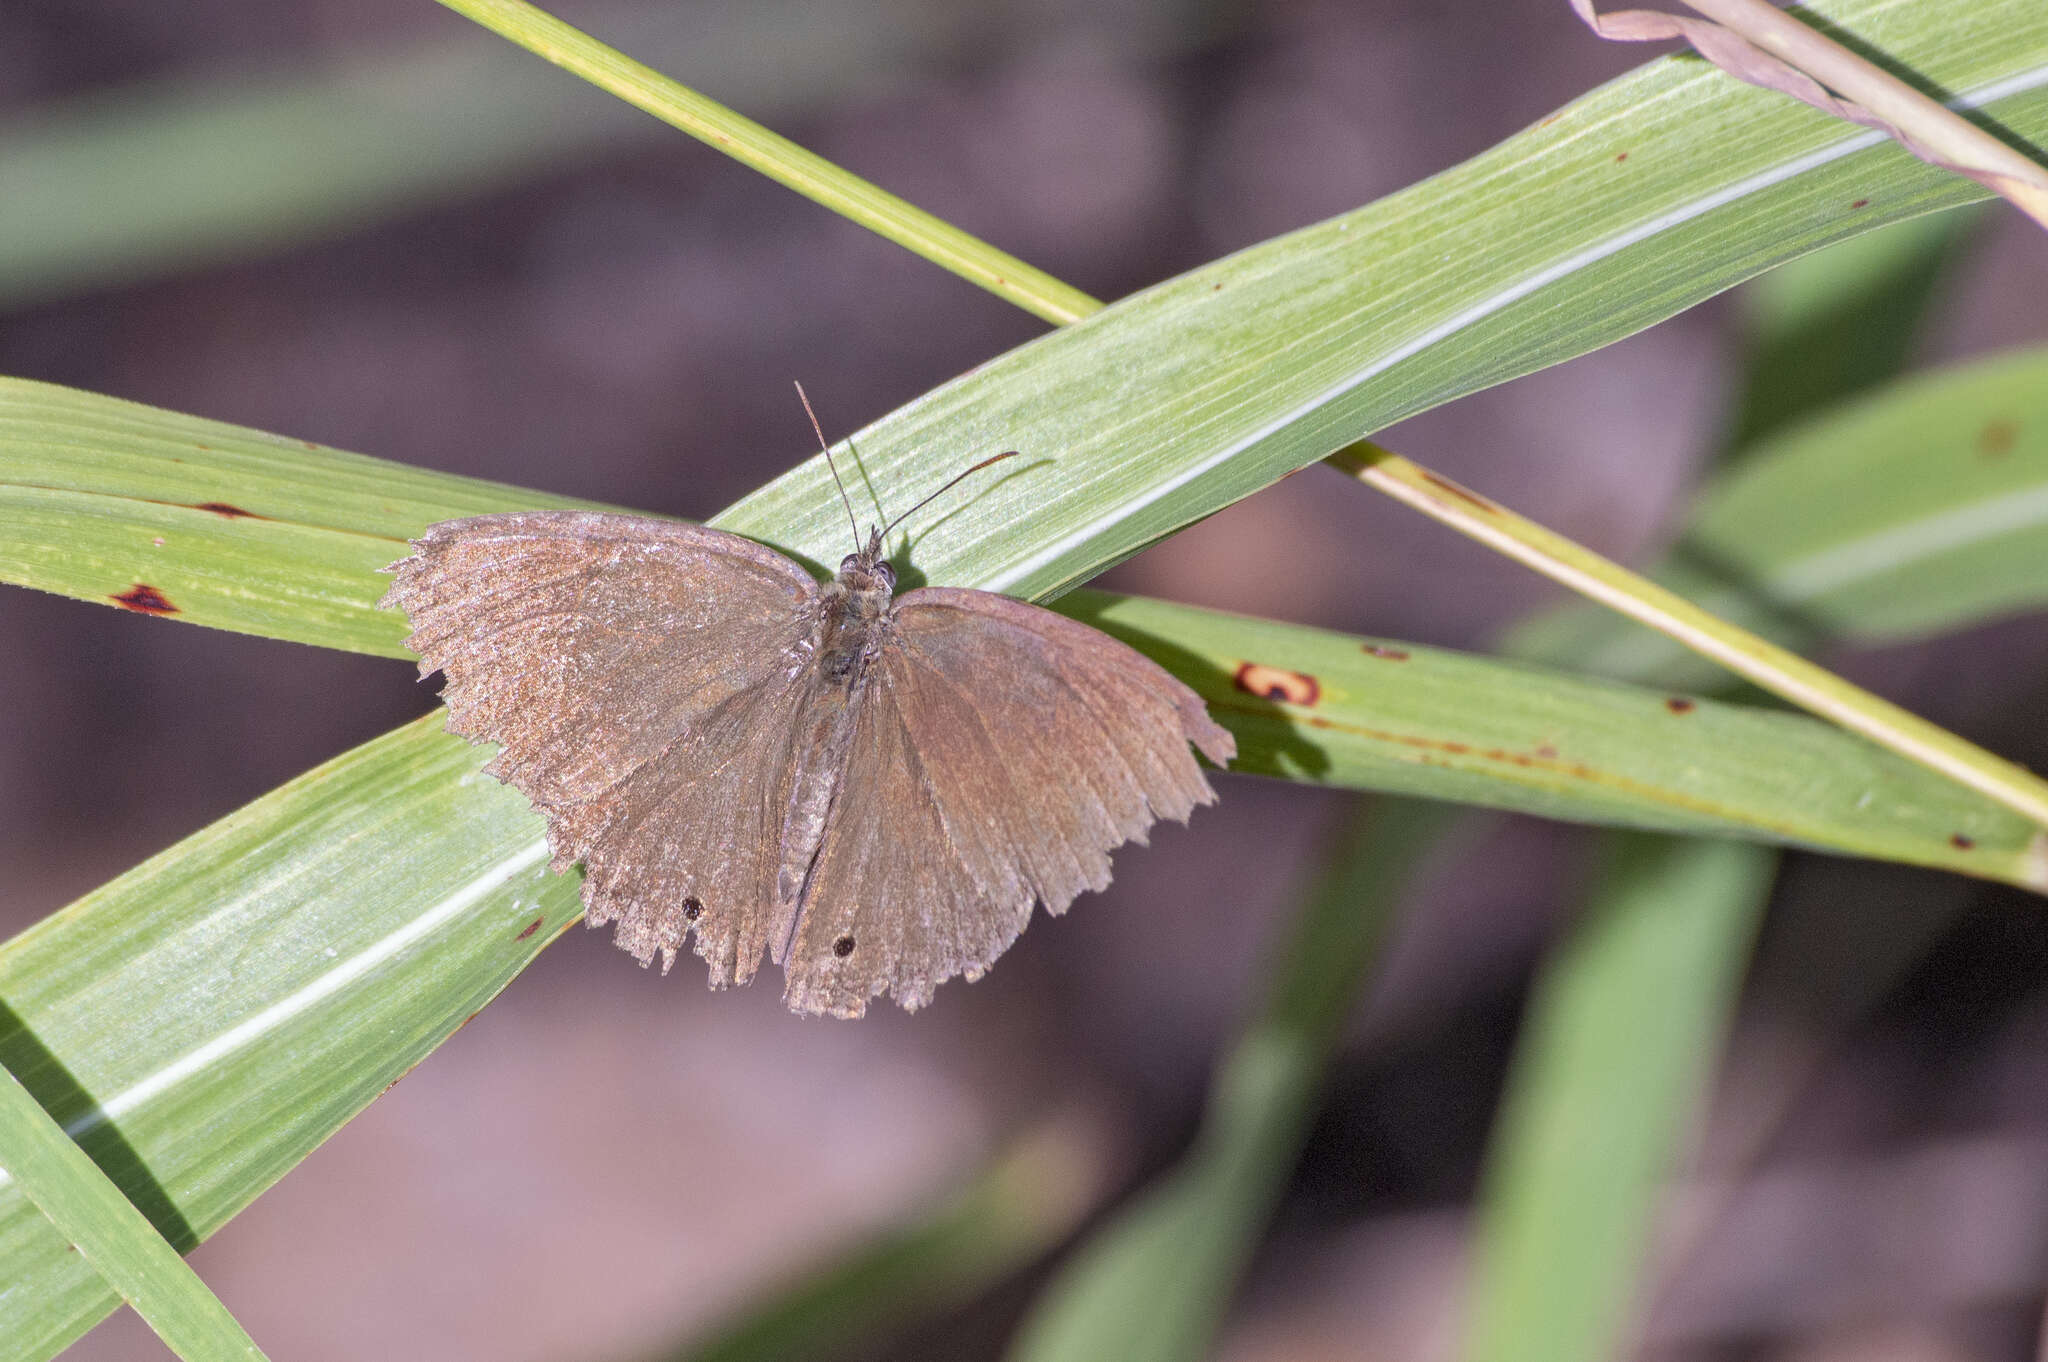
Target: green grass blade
column 1932, row 501
column 1452, row 726
column 1151, row 1285
column 111, row 1235
column 1608, row 1074
column 203, row 1022
column 1919, row 509
column 226, row 526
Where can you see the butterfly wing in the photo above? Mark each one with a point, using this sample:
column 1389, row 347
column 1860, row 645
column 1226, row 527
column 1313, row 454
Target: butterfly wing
column 1000, row 752
column 641, row 678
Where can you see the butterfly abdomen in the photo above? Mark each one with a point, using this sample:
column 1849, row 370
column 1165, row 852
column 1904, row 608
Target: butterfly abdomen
column 845, row 639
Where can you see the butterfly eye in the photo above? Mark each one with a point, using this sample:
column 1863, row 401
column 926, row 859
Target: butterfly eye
column 887, row 574
column 849, row 562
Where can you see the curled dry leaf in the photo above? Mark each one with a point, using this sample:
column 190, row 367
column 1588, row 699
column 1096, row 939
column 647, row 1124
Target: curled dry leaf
column 1922, row 126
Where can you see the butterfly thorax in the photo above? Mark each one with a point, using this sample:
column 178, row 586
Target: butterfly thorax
column 849, row 610
column 852, row 614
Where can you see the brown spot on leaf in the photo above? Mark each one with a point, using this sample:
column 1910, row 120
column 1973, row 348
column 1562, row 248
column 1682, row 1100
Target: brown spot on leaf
column 1390, row 654
column 1960, row 842
column 1278, row 684
column 1621, row 156
column 1678, row 704
column 1464, row 494
column 226, row 510
column 843, row 947
column 531, row 928
column 1997, row 438
column 1547, row 752
column 1861, row 203
column 144, row 599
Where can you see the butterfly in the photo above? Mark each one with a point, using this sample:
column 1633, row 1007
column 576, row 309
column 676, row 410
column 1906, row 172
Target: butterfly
column 872, row 790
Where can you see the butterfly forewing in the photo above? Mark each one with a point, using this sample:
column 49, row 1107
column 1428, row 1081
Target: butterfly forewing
column 1001, row 751
column 638, row 675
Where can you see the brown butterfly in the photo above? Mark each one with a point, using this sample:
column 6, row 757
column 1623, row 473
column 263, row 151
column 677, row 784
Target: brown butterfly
column 873, row 790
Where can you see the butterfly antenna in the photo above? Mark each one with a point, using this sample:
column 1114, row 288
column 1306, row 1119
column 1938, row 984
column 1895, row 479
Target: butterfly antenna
column 844, row 500
column 956, row 481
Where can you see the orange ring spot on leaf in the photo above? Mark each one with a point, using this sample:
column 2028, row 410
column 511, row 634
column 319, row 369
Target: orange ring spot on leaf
column 1277, row 684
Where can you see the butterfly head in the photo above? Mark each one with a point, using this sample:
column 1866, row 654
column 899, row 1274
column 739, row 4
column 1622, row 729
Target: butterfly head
column 867, row 577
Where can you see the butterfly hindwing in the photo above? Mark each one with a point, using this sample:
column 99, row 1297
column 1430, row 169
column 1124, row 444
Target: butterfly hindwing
column 1000, row 752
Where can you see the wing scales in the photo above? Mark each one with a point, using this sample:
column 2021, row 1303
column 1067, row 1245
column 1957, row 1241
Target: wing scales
column 639, row 676
column 1001, row 751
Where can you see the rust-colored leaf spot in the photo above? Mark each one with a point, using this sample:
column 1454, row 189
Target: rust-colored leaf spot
column 226, row 510
column 1861, row 203
column 144, row 599
column 1547, row 752
column 1464, row 494
column 1960, row 842
column 1678, row 704
column 1390, row 654
column 1278, row 684
column 1997, row 438
column 531, row 928
column 1621, row 156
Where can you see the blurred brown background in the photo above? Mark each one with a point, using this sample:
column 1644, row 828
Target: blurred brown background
column 605, row 1161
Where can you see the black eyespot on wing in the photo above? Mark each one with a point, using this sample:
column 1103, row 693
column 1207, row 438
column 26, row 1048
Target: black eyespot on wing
column 843, row 947
column 692, row 908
